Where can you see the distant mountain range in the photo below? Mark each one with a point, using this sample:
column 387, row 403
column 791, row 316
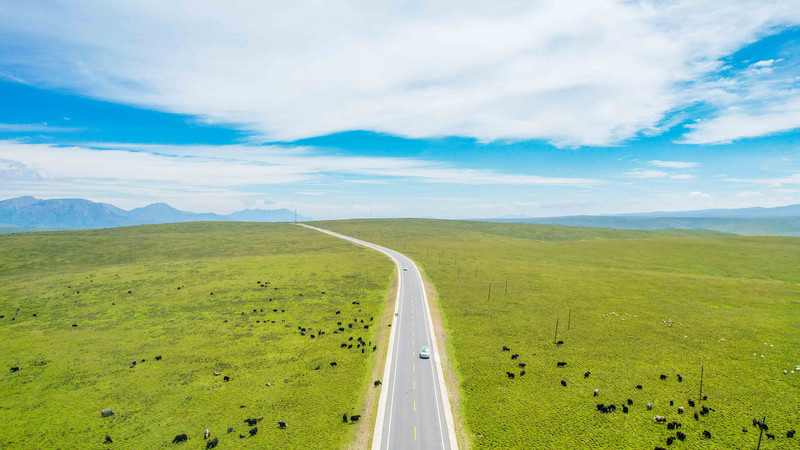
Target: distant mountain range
column 80, row 213
column 780, row 221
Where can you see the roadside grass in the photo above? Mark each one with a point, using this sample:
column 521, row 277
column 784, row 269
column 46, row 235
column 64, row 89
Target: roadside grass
column 68, row 374
column 728, row 298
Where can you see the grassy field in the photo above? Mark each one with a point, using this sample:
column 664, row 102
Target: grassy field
column 642, row 304
column 141, row 292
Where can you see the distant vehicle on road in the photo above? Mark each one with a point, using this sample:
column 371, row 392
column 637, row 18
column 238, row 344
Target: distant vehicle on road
column 405, row 269
column 424, row 352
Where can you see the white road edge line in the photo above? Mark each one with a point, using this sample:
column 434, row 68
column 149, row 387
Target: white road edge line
column 387, row 372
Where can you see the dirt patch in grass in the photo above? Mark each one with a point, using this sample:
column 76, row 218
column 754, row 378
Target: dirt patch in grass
column 450, row 377
column 362, row 438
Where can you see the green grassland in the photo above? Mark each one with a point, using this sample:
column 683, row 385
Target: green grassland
column 728, row 298
column 68, row 374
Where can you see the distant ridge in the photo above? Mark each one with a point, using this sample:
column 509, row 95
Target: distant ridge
column 80, row 213
column 779, row 221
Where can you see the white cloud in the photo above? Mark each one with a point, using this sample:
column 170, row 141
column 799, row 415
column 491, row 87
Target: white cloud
column 674, row 164
column 575, row 72
column 641, row 173
column 750, row 194
column 699, row 195
column 34, row 128
column 736, row 123
column 683, row 176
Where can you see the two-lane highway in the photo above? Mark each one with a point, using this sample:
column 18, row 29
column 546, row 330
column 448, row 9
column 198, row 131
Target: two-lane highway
column 414, row 409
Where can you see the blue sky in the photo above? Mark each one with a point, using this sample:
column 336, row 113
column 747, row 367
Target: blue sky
column 403, row 108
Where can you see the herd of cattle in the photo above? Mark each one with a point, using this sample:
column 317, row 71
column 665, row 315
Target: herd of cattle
column 629, row 403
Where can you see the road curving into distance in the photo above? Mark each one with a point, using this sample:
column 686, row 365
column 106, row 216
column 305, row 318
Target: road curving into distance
column 414, row 409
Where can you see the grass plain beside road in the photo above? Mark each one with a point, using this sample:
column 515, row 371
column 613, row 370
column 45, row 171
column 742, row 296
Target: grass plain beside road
column 68, row 374
column 689, row 298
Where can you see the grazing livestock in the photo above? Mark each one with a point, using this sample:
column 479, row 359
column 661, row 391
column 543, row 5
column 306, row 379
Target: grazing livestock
column 561, row 364
column 639, row 387
column 671, row 403
column 216, row 374
column 158, row 358
column 251, row 422
column 663, row 377
column 354, row 418
column 680, row 379
column 343, row 345
column 600, row 406
column 696, row 417
column 107, row 412
column 522, row 365
column 344, row 417
column 563, row 383
column 521, row 372
column 281, row 424
column 226, row 378
column 515, row 356
column 680, row 410
column 681, row 435
column 744, row 430
column 586, row 375
column 108, row 440
column 625, row 409
column 705, row 397
column 706, row 434
column 691, row 403
column 333, row 364
column 212, row 443
column 230, row 429
column 660, row 448
column 595, row 393
column 506, row 349
column 704, row 410
column 15, row 369
column 660, row 419
column 630, row 402
column 649, row 406
column 510, row 375
column 770, row 436
column 374, row 347
column 206, row 434
column 790, row 434
column 180, row 438
column 376, row 383
column 670, row 440
column 559, row 342
column 253, row 431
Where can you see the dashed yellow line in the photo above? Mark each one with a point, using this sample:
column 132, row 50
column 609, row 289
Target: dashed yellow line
column 415, row 433
column 415, row 386
column 415, row 405
column 414, row 368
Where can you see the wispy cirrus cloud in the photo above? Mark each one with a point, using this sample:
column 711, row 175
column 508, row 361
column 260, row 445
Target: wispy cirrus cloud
column 674, row 164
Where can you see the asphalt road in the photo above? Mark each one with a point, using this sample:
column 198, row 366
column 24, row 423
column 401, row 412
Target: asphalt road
column 414, row 409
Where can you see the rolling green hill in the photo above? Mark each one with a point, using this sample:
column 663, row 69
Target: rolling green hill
column 631, row 306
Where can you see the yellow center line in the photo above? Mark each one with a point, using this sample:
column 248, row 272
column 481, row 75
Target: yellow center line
column 415, row 405
column 415, row 385
column 414, row 368
column 415, row 433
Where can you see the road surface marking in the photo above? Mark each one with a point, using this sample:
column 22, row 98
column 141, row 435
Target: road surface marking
column 415, row 433
column 415, row 405
column 415, row 386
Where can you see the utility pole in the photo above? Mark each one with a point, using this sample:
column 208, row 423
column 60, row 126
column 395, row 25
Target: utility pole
column 569, row 318
column 489, row 297
column 701, row 382
column 761, row 427
column 295, row 216
column 506, row 288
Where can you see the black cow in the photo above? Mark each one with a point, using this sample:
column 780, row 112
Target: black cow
column 522, row 365
column 770, row 436
column 671, row 403
column 253, row 431
column 212, row 443
column 696, row 417
column 706, row 434
column 670, row 440
column 108, row 440
column 630, row 402
column 671, row 426
column 230, row 429
column 158, row 358
column 317, row 368
column 344, row 417
column 691, row 403
column 15, row 369
column 226, row 378
column 354, row 418
column 563, row 383
column 515, row 356
column 639, row 387
column 681, row 435
column 790, row 434
column 663, row 377
column 510, row 375
column 333, row 364
column 559, row 342
column 506, row 349
column 680, row 378
column 251, row 422
column 343, row 345
column 625, row 409
column 281, row 424
column 704, row 410
column 521, row 372
column 180, row 438
column 586, row 375
column 376, row 383
column 561, row 364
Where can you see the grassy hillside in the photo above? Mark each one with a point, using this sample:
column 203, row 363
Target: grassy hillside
column 141, row 292
column 642, row 304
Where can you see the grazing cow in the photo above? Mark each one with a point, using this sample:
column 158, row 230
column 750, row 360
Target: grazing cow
column 253, row 431
column 350, row 346
column 706, row 434
column 354, row 418
column 663, row 377
column 522, row 372
column 317, row 368
column 561, row 364
column 671, row 403
column 281, row 424
column 595, row 393
column 691, row 403
column 212, row 443
column 107, row 412
column 681, row 435
column 586, row 375
column 515, row 356
column 790, row 434
column 704, row 410
column 374, row 347
column 108, row 440
column 630, row 402
column 158, row 358
column 696, row 417
column 770, row 436
column 680, row 378
column 376, row 383
column 344, row 417
column 563, row 383
column 649, row 406
column 15, row 369
column 206, row 434
column 226, row 378
column 639, row 387
column 744, row 430
column 671, row 426
column 251, row 422
column 333, row 364
column 510, row 375
column 680, row 410
column 559, row 342
column 660, row 419
column 625, row 409
column 670, row 440
column 522, row 365
column 600, row 406
column 230, row 429
column 338, row 312
column 705, row 397
column 180, row 438
column 343, row 345
column 506, row 349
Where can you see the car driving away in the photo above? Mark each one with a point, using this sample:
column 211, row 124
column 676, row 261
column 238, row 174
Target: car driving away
column 424, row 352
column 405, row 269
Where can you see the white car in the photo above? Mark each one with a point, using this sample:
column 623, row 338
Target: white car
column 405, row 269
column 424, row 352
